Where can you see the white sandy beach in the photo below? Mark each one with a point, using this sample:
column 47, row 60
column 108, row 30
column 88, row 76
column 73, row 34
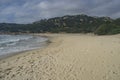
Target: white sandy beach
column 68, row 57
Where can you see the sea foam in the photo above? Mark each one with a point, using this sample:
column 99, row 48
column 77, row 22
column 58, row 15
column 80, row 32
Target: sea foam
column 15, row 43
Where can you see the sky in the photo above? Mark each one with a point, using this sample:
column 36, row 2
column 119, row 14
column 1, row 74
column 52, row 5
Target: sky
column 27, row 11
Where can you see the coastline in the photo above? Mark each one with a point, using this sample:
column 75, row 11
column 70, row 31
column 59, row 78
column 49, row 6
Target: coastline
column 44, row 44
column 67, row 57
column 26, row 52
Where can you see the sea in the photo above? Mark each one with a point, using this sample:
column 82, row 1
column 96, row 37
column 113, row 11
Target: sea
column 10, row 44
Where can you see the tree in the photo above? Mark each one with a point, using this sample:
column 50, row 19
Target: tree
column 107, row 28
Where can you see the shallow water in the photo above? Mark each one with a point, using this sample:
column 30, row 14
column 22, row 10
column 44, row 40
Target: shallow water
column 16, row 43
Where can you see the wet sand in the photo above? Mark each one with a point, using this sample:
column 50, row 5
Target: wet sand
column 68, row 57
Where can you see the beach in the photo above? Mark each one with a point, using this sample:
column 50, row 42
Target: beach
column 67, row 57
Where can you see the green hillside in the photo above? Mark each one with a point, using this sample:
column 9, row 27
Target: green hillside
column 69, row 24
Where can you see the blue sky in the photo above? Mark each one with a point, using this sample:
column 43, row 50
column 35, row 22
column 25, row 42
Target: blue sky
column 27, row 11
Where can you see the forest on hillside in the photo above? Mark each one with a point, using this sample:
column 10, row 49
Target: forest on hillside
column 67, row 24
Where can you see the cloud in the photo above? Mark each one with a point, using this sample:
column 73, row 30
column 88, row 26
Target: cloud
column 27, row 11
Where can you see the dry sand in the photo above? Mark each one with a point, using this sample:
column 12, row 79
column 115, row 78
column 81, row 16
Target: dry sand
column 68, row 57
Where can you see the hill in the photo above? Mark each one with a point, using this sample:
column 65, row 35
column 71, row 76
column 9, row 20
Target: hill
column 69, row 24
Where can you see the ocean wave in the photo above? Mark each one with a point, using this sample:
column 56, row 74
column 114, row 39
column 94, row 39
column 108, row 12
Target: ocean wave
column 16, row 43
column 11, row 39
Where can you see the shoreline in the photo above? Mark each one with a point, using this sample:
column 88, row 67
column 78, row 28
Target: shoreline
column 44, row 44
column 67, row 57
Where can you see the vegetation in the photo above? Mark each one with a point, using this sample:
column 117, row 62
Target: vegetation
column 69, row 24
column 107, row 28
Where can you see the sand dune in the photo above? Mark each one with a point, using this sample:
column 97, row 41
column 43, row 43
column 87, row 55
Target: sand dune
column 68, row 57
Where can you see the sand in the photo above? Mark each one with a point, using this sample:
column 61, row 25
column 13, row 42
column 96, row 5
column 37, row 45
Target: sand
column 68, row 57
